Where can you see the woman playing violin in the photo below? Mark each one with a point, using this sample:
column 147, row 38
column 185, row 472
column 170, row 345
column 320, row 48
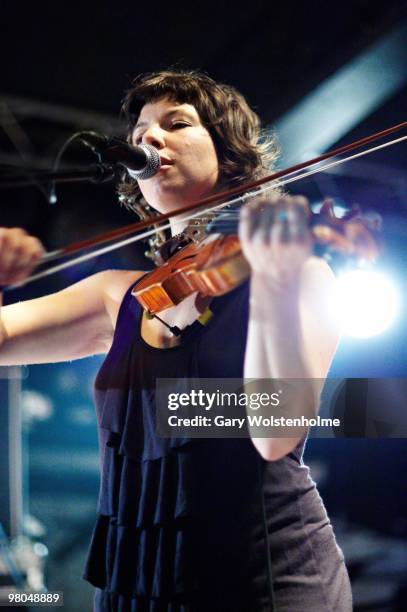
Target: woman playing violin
column 196, row 524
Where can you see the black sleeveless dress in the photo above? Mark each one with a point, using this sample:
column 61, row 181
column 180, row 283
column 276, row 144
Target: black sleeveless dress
column 206, row 524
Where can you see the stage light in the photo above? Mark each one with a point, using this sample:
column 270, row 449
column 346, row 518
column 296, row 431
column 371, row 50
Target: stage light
column 364, row 303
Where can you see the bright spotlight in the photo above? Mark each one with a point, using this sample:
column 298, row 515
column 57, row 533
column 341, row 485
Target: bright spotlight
column 365, row 303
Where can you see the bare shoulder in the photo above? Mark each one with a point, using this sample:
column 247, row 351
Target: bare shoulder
column 114, row 284
column 105, row 289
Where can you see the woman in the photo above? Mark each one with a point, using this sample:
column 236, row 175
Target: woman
column 203, row 524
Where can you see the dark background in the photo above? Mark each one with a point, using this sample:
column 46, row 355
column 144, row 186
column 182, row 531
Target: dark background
column 64, row 67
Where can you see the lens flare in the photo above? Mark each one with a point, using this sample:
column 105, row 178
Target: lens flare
column 364, row 303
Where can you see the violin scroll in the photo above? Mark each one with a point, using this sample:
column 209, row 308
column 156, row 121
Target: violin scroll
column 353, row 235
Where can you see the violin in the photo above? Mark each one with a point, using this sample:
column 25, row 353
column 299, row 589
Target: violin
column 217, row 265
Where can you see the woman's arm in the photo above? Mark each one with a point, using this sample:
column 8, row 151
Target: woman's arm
column 73, row 323
column 290, row 333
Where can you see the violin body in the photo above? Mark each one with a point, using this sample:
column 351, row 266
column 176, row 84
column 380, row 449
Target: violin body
column 217, row 265
column 212, row 268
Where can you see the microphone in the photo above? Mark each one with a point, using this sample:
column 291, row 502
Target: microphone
column 141, row 162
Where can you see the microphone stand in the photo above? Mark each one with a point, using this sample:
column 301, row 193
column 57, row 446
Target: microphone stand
column 96, row 173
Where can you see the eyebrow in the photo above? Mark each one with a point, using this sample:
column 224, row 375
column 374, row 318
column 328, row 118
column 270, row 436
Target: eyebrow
column 165, row 116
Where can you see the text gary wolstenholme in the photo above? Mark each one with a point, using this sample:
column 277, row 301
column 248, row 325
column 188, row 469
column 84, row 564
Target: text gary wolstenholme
column 252, row 421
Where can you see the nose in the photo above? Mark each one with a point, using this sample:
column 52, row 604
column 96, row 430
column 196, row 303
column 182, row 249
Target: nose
column 154, row 136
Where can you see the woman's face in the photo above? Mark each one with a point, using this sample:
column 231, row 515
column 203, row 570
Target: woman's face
column 189, row 164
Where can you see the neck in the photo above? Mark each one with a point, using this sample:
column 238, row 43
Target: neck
column 179, row 222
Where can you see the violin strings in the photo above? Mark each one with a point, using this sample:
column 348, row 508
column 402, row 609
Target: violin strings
column 242, row 199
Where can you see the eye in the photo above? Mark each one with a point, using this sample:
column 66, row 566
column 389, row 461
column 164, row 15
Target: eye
column 177, row 125
column 138, row 140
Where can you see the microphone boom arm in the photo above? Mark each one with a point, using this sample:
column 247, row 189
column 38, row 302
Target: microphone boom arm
column 95, row 173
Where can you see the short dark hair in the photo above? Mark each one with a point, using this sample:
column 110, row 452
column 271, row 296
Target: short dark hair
column 244, row 151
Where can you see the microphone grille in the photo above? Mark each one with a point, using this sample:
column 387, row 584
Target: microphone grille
column 152, row 165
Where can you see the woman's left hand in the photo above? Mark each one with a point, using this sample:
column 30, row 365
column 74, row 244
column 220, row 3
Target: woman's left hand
column 276, row 240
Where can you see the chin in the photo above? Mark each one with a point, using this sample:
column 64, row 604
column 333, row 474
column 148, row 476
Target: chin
column 170, row 199
column 173, row 203
column 164, row 206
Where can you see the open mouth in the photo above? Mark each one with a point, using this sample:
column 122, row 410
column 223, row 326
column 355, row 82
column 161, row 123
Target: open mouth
column 165, row 162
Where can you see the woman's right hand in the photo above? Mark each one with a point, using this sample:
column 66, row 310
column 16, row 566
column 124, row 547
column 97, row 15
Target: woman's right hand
column 20, row 253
